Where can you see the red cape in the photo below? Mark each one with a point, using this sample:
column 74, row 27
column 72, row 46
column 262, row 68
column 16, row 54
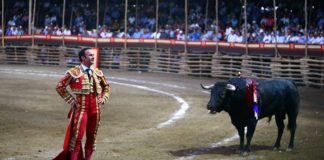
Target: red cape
column 65, row 154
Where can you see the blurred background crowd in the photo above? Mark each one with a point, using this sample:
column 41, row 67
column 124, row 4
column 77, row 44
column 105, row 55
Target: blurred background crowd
column 81, row 17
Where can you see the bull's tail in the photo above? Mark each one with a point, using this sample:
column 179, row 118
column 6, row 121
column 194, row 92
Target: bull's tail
column 292, row 117
column 293, row 106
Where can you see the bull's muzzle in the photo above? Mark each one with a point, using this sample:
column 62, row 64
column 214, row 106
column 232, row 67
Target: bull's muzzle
column 211, row 109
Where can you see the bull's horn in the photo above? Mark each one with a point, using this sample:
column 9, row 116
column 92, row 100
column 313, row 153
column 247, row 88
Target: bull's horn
column 206, row 87
column 230, row 87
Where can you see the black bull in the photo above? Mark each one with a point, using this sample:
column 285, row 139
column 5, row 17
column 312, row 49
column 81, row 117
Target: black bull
column 275, row 97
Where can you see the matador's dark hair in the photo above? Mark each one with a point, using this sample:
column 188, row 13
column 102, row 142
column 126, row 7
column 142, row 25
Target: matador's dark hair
column 82, row 53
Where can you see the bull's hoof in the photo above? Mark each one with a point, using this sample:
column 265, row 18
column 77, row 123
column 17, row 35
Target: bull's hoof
column 245, row 153
column 212, row 112
column 276, row 149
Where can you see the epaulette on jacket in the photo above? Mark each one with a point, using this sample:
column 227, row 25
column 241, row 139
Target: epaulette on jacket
column 75, row 72
column 97, row 71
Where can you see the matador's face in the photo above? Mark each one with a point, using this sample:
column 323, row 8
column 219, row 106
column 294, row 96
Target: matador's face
column 88, row 58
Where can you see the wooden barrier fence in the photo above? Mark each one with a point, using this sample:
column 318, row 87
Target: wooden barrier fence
column 304, row 71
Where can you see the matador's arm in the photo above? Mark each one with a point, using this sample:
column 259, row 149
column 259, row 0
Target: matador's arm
column 62, row 91
column 105, row 89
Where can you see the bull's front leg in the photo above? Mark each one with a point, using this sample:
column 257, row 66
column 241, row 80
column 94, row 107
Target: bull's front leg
column 250, row 132
column 240, row 130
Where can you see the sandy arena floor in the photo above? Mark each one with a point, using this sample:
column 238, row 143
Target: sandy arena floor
column 150, row 116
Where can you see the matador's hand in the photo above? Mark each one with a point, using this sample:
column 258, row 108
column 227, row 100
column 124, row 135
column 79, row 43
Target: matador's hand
column 101, row 101
column 74, row 104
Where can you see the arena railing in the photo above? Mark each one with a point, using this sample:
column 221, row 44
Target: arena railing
column 168, row 56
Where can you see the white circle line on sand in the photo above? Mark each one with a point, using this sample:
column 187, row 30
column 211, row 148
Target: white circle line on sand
column 180, row 113
column 176, row 116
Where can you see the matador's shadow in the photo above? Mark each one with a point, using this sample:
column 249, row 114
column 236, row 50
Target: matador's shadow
column 224, row 150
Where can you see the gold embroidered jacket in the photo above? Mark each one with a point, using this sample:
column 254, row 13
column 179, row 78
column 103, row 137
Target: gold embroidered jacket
column 80, row 84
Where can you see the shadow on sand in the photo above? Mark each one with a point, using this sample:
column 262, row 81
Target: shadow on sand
column 224, row 150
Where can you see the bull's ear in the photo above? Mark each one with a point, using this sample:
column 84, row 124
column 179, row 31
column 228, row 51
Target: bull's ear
column 207, row 87
column 230, row 87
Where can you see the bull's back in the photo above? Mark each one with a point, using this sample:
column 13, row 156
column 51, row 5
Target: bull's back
column 278, row 96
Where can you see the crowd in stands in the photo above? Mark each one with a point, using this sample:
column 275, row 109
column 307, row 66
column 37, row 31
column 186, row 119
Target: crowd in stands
column 142, row 21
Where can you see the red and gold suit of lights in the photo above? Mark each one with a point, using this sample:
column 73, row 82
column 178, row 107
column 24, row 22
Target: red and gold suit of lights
column 85, row 93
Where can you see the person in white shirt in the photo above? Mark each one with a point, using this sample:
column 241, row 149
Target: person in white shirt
column 105, row 34
column 121, row 34
column 181, row 36
column 216, row 36
column 321, row 38
column 301, row 38
column 310, row 38
column 267, row 38
column 66, row 31
column 239, row 37
column 294, row 38
column 280, row 38
column 156, row 35
column 228, row 31
column 205, row 36
column 317, row 39
column 57, row 31
column 14, row 31
column 231, row 37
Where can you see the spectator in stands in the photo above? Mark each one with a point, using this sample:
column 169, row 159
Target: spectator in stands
column 267, row 38
column 137, row 33
column 164, row 35
column 317, row 39
column 106, row 33
column 93, row 33
column 66, row 31
column 57, row 31
column 293, row 38
column 171, row 17
column 301, row 38
column 279, row 37
column 228, row 31
column 205, row 36
column 232, row 36
column 321, row 41
column 195, row 35
column 74, row 30
column 181, row 36
column 239, row 37
column 82, row 30
column 11, row 22
column 253, row 38
column 46, row 30
column 20, row 30
column 14, row 31
column 172, row 33
column 147, row 33
column 47, row 21
column 216, row 36
column 310, row 38
column 121, row 34
column 156, row 35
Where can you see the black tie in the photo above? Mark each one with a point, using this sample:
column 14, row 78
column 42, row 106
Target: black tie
column 88, row 73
